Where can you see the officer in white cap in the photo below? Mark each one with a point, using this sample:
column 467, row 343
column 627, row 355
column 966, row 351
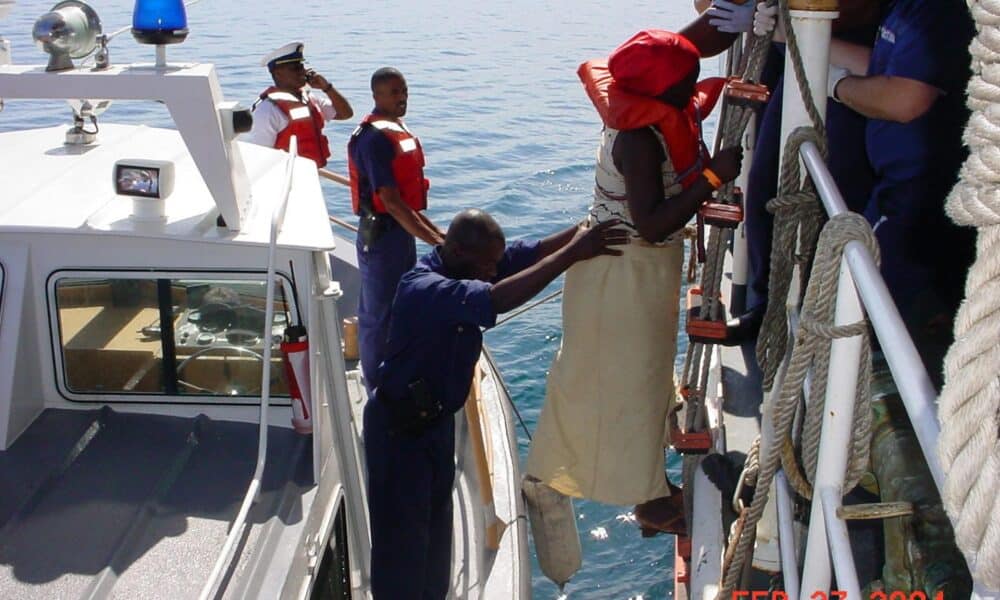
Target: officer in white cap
column 288, row 108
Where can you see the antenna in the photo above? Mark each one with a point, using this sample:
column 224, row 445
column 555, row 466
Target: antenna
column 295, row 293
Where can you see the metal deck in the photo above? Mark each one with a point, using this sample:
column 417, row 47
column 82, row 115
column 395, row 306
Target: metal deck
column 105, row 504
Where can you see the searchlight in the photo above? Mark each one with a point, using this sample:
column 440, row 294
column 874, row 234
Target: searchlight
column 68, row 31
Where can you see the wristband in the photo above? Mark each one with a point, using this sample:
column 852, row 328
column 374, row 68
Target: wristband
column 712, row 179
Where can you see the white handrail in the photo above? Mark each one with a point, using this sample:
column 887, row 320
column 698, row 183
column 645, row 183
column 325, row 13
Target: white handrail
column 835, row 435
column 840, row 546
column 908, row 370
column 253, row 491
column 786, row 535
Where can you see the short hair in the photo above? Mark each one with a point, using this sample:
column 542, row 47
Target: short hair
column 473, row 229
column 385, row 74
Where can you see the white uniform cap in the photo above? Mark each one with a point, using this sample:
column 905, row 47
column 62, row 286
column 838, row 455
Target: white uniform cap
column 290, row 52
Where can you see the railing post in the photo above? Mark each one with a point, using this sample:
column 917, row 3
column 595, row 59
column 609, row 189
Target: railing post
column 835, row 438
column 786, row 536
column 812, row 22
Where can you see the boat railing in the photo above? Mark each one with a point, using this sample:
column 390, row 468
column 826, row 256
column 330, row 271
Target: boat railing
column 861, row 290
column 253, row 491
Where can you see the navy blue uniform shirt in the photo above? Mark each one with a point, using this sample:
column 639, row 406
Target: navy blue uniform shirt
column 925, row 40
column 372, row 153
column 435, row 332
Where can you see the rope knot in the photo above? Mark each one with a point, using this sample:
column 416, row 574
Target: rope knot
column 828, row 331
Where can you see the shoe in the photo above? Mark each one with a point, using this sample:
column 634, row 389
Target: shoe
column 745, row 327
column 662, row 515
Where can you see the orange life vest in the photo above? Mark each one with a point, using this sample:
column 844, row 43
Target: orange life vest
column 407, row 166
column 681, row 129
column 305, row 122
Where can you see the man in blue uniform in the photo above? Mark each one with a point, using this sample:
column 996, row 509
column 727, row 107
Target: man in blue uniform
column 847, row 162
column 389, row 193
column 434, row 343
column 912, row 93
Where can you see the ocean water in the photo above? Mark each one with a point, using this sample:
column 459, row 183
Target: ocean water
column 506, row 127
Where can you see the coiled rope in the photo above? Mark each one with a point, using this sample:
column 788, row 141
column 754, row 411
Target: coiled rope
column 811, row 353
column 793, row 219
column 969, row 406
column 798, row 217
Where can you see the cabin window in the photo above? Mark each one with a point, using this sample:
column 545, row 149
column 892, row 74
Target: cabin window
column 113, row 341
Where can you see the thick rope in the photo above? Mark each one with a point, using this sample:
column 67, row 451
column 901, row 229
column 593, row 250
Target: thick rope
column 797, row 218
column 810, row 354
column 969, row 407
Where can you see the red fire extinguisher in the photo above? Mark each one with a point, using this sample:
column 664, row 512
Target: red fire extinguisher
column 295, row 352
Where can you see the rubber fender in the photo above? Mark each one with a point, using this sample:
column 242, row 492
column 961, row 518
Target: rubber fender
column 553, row 526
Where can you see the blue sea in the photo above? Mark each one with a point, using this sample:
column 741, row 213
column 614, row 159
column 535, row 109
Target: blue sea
column 506, row 127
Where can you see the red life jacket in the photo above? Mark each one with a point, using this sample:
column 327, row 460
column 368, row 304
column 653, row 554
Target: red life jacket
column 407, row 166
column 305, row 122
column 681, row 129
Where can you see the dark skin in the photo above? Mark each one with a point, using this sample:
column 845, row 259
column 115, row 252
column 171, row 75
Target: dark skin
column 475, row 245
column 706, row 38
column 639, row 157
column 391, row 97
column 292, row 77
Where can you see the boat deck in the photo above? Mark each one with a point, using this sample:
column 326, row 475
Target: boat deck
column 105, row 504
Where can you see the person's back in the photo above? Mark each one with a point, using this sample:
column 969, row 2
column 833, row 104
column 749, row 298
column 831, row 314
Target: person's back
column 435, row 340
column 610, row 387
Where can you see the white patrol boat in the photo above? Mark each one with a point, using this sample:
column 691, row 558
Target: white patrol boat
column 179, row 416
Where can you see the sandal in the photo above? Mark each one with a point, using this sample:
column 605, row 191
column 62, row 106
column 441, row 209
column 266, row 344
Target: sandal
column 662, row 515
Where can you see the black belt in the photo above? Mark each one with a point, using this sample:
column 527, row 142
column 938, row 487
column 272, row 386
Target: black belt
column 412, row 412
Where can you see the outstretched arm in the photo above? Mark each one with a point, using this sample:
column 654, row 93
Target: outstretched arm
column 513, row 291
column 709, row 40
column 556, row 241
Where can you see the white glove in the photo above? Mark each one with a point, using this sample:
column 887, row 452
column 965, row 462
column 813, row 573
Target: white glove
column 835, row 76
column 764, row 18
column 730, row 17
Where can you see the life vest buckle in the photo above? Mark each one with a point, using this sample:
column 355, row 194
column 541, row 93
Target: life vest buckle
column 720, row 214
column 744, row 92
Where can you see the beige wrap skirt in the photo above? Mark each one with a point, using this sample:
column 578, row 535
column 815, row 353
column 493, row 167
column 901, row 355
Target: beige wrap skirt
column 603, row 426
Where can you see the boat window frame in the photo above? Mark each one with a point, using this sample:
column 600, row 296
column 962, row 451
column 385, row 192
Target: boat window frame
column 55, row 334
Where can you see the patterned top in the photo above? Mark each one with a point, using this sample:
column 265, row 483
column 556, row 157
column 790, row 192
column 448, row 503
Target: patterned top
column 609, row 187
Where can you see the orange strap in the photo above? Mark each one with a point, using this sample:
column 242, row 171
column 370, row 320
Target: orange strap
column 712, row 178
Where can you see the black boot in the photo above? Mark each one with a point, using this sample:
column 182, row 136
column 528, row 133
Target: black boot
column 745, row 327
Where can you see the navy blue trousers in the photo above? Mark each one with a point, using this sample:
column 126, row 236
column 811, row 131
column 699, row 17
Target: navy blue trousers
column 848, row 163
column 410, row 480
column 381, row 267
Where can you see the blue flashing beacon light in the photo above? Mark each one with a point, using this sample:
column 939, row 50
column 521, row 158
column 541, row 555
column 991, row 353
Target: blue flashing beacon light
column 159, row 22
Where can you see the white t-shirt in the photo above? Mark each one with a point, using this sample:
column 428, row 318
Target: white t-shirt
column 268, row 120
